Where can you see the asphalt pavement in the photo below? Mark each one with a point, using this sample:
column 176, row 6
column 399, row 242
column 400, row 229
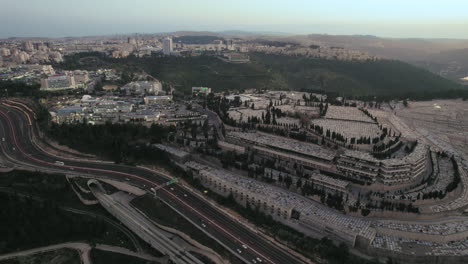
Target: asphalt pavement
column 18, row 133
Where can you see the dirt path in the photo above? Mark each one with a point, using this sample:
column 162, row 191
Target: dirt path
column 82, row 248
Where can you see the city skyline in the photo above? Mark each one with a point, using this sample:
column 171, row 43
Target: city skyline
column 396, row 19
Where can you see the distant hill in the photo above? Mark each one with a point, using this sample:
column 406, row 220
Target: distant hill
column 407, row 49
column 452, row 64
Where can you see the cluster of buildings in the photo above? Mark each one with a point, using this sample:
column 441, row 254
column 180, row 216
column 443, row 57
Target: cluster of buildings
column 330, row 53
column 27, row 73
column 143, row 88
column 284, row 206
column 66, row 80
column 292, row 155
column 147, row 110
column 411, row 169
column 287, row 156
column 231, row 49
column 16, row 52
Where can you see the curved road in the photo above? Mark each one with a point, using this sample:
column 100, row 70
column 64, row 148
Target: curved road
column 18, row 132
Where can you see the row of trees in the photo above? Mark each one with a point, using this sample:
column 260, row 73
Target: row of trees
column 120, row 142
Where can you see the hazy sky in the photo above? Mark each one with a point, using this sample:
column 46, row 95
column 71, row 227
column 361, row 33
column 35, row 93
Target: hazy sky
column 388, row 18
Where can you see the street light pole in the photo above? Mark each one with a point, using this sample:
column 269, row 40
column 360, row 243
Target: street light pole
column 154, row 190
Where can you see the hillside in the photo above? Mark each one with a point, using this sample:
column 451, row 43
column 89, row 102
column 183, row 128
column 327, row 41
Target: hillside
column 358, row 78
column 452, row 64
column 266, row 71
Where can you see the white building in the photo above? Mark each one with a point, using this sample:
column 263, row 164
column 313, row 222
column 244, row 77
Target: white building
column 5, row 52
column 201, row 90
column 81, row 78
column 167, row 46
column 58, row 82
column 157, row 99
column 143, row 88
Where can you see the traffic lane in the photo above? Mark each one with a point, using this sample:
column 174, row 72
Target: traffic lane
column 207, row 224
column 248, row 244
column 228, row 221
column 248, row 238
column 41, row 162
column 131, row 171
column 100, row 165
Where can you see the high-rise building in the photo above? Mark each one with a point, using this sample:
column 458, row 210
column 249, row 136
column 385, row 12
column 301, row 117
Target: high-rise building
column 28, row 46
column 167, row 46
column 4, row 52
column 131, row 41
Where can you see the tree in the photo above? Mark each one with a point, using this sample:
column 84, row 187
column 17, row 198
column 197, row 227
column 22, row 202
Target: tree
column 268, row 117
column 304, row 120
column 98, row 87
column 405, row 103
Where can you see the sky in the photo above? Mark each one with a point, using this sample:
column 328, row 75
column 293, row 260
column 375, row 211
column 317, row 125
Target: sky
column 384, row 18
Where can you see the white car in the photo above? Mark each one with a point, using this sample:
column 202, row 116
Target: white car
column 259, row 260
column 239, row 251
column 244, row 246
column 253, row 261
column 204, row 226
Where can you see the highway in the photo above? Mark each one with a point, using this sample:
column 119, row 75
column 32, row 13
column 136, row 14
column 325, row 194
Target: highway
column 142, row 226
column 18, row 132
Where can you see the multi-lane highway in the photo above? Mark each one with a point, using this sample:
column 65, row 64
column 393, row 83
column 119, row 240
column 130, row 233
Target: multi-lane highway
column 18, row 132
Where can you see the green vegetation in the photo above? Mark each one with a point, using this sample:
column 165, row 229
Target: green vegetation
column 51, row 187
column 32, row 214
column 18, row 89
column 365, row 79
column 104, row 257
column 196, row 39
column 60, row 256
column 119, row 142
column 165, row 216
column 354, row 78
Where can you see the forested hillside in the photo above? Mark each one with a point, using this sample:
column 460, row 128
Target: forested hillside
column 385, row 78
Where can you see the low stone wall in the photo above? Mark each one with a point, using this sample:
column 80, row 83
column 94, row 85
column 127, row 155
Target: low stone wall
column 423, row 236
column 399, row 257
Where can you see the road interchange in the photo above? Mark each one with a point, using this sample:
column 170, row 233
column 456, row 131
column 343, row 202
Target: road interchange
column 19, row 133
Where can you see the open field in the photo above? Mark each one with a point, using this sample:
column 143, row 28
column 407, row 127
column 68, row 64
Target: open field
column 60, row 256
column 442, row 122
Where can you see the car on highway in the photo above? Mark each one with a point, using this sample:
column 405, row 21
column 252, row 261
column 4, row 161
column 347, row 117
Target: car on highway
column 244, row 246
column 60, row 163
